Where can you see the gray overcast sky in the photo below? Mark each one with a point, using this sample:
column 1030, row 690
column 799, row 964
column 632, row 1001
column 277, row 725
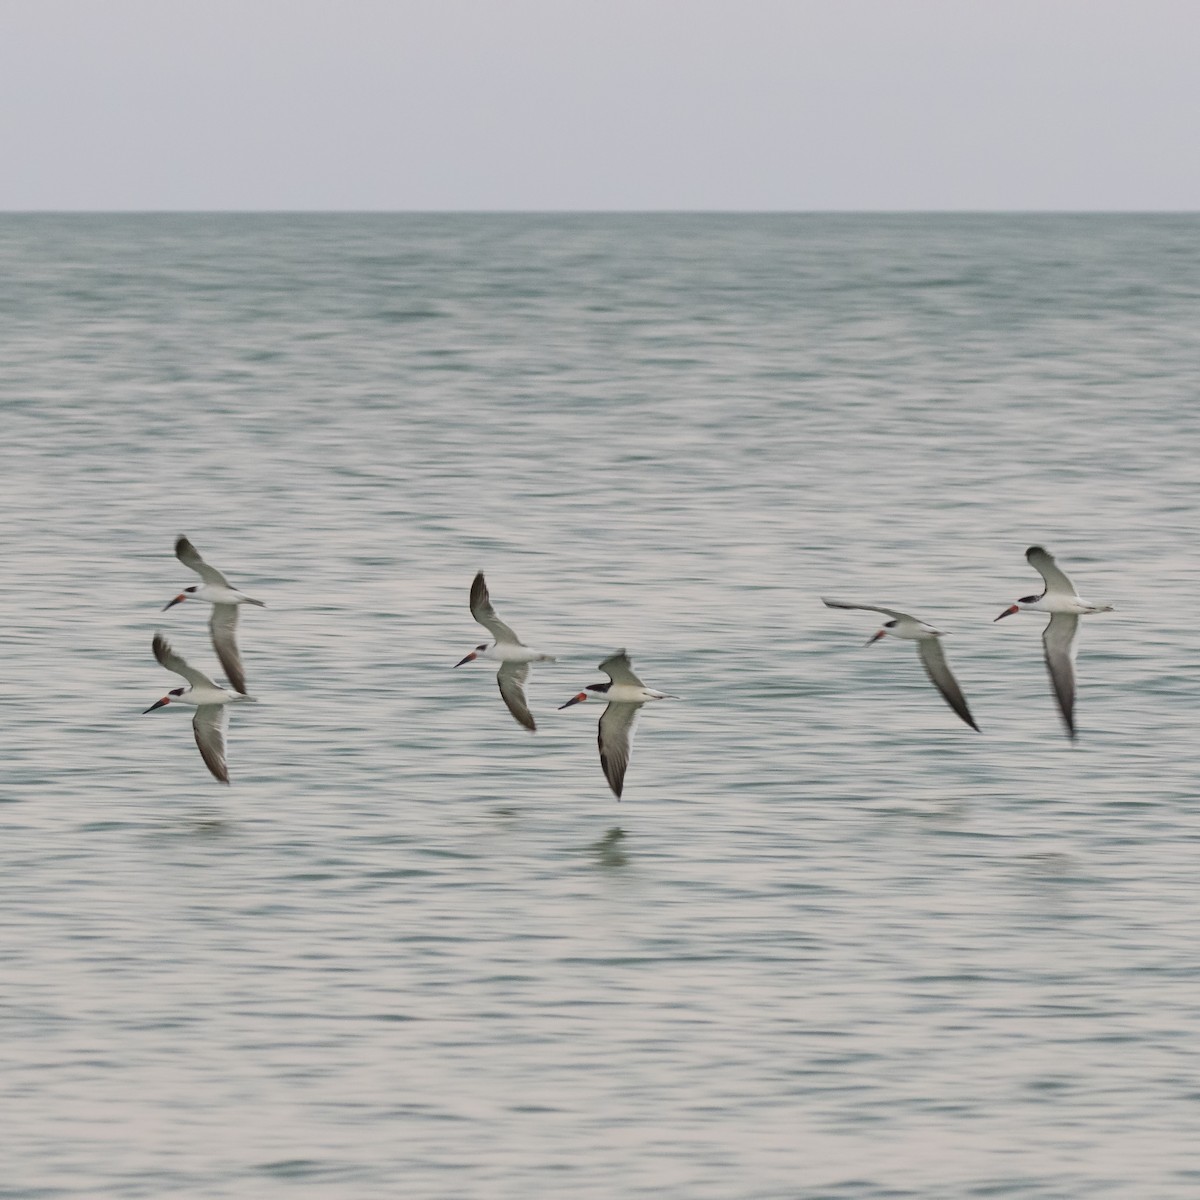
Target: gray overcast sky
column 599, row 104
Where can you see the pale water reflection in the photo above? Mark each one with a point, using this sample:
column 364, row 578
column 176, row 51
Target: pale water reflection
column 838, row 945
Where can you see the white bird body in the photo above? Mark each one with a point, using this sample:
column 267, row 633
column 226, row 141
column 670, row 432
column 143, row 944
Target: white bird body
column 929, row 650
column 625, row 694
column 1058, row 603
column 216, row 593
column 1063, row 603
column 910, row 628
column 208, row 693
column 222, row 624
column 508, row 650
column 211, row 702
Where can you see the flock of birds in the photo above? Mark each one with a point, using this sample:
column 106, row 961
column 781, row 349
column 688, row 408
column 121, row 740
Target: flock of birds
column 210, row 701
column 624, row 692
column 1059, row 598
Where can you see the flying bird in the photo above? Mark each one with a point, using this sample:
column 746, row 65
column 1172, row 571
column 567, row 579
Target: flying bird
column 625, row 694
column 508, row 650
column 211, row 702
column 1062, row 602
column 224, row 598
column 929, row 649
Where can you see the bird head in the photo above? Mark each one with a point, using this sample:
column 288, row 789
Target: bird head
column 473, row 655
column 165, row 700
column 187, row 591
column 882, row 633
column 1016, row 608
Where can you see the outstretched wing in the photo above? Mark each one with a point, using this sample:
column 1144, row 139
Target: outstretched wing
column 1042, row 561
column 619, row 669
column 891, row 612
column 485, row 614
column 1059, row 642
column 190, row 557
column 615, row 738
column 511, row 678
column 222, row 625
column 175, row 662
column 933, row 659
column 209, row 725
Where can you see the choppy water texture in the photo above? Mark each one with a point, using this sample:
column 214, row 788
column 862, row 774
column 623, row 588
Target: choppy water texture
column 832, row 943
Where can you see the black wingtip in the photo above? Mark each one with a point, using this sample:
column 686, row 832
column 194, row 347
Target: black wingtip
column 967, row 719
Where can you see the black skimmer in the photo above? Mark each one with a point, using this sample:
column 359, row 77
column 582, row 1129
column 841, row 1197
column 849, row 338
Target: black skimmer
column 211, row 703
column 929, row 649
column 1062, row 602
column 625, row 694
column 508, row 650
column 222, row 625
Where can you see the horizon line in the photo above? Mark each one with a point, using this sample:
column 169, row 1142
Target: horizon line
column 599, row 212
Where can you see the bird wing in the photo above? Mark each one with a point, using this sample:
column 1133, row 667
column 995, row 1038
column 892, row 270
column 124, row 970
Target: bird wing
column 209, row 725
column 190, row 557
column 933, row 659
column 615, row 739
column 485, row 614
column 1059, row 641
column 1042, row 561
column 175, row 662
column 619, row 669
column 511, row 678
column 222, row 625
column 891, row 612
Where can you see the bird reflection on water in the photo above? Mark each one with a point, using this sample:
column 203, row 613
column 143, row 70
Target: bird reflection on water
column 608, row 851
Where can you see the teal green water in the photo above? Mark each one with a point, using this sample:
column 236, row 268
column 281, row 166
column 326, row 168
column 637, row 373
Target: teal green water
column 832, row 943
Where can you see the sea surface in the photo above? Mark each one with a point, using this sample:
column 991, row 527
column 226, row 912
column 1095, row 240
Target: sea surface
column 832, row 943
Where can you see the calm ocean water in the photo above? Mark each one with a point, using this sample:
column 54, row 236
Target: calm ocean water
column 832, row 943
